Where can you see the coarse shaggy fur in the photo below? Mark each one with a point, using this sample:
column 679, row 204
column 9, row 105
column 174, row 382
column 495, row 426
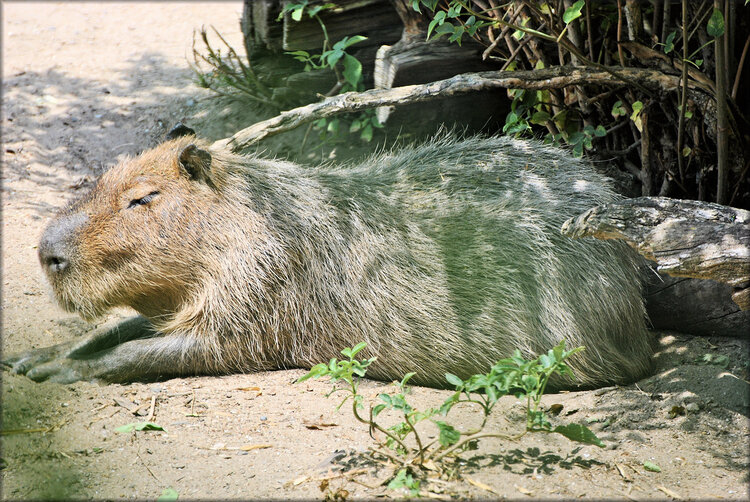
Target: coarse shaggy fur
column 442, row 257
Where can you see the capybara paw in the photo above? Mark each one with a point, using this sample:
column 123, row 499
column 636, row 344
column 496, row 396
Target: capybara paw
column 59, row 371
column 24, row 362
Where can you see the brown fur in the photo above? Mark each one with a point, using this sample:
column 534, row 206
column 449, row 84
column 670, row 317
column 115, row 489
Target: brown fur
column 443, row 258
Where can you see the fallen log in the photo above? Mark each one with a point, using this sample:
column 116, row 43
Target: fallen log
column 685, row 238
column 548, row 78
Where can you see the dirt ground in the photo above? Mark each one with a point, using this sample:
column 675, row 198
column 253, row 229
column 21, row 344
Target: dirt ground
column 85, row 83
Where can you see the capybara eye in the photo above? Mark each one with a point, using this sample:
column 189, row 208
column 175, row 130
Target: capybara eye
column 143, row 200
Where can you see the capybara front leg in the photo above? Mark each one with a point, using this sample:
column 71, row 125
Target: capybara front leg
column 57, row 355
column 147, row 359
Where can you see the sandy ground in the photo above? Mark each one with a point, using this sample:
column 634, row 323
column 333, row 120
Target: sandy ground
column 87, row 83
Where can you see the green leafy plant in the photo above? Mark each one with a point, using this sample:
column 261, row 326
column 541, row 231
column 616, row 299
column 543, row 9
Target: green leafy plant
column 404, row 442
column 347, row 68
column 228, row 73
column 528, row 108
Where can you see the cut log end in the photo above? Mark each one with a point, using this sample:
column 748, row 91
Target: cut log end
column 685, row 238
column 742, row 298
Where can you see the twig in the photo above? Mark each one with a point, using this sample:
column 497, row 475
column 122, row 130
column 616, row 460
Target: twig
column 621, row 153
column 473, row 438
column 152, row 409
column 588, row 30
column 147, row 467
column 44, row 430
column 517, row 50
column 683, row 97
column 722, row 119
column 646, row 175
column 619, row 34
column 742, row 177
column 739, row 68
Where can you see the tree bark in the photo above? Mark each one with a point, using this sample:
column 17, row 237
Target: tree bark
column 685, row 238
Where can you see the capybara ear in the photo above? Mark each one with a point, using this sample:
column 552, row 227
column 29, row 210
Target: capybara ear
column 178, row 131
column 195, row 162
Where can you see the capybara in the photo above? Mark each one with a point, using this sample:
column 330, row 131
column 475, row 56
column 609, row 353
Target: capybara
column 442, row 257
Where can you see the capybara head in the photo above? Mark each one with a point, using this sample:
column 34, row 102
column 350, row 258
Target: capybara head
column 132, row 239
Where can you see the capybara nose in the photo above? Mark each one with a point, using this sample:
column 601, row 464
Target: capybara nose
column 56, row 246
column 52, row 254
column 53, row 262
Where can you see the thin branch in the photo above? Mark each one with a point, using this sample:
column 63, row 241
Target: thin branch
column 739, row 68
column 619, row 34
column 683, row 97
column 544, row 79
column 722, row 119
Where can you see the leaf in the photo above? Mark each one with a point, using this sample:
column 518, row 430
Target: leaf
column 618, row 109
column 686, row 151
column 636, row 115
column 313, row 11
column 347, row 41
column 600, row 131
column 357, row 348
column 573, row 12
column 580, row 433
column 377, row 409
column 366, row 134
column 436, row 21
column 669, row 45
column 491, row 394
column 458, row 32
column 454, row 380
column 352, row 70
column 297, row 13
column 530, row 382
column 300, row 55
column 355, row 40
column 715, row 26
column 540, row 117
column 448, row 434
column 315, row 372
column 139, row 426
column 168, row 495
column 650, row 466
column 454, row 10
column 406, row 379
column 330, row 58
column 448, row 404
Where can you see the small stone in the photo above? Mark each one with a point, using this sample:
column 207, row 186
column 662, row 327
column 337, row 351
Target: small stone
column 692, row 407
